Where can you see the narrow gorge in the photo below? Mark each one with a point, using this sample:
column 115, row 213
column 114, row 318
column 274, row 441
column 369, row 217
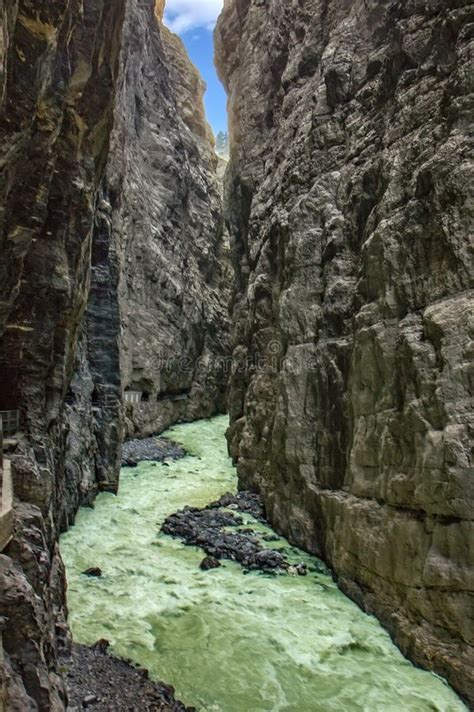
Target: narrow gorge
column 322, row 298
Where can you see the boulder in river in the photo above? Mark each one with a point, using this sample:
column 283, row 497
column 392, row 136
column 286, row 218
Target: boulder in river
column 210, row 562
column 93, row 572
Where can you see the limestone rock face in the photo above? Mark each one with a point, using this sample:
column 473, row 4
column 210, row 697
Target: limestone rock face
column 167, row 225
column 351, row 232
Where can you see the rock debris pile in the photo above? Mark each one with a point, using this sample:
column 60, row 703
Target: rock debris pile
column 223, row 534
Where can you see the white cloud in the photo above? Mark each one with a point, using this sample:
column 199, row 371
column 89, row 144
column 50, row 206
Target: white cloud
column 184, row 15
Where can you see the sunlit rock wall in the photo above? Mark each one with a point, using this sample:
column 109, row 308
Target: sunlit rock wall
column 167, row 221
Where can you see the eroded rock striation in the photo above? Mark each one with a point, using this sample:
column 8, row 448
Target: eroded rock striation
column 111, row 250
column 351, row 232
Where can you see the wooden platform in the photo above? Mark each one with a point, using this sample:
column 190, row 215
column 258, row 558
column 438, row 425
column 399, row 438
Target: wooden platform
column 6, row 504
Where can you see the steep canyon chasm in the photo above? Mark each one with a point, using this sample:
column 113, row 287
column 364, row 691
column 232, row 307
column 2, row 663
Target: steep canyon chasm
column 348, row 210
column 114, row 283
column 278, row 642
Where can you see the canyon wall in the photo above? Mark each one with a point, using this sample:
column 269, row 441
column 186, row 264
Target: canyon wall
column 167, row 222
column 105, row 150
column 351, row 234
column 59, row 65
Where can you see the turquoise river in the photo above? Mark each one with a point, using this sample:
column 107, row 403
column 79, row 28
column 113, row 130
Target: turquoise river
column 227, row 642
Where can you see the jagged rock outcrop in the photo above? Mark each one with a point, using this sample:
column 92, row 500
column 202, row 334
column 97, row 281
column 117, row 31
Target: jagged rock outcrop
column 350, row 218
column 110, row 247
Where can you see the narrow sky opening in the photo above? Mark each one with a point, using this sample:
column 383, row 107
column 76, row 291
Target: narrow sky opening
column 194, row 22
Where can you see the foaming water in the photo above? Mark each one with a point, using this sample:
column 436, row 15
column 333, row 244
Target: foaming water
column 228, row 642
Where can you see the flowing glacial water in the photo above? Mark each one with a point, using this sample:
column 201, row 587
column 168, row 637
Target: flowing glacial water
column 227, row 642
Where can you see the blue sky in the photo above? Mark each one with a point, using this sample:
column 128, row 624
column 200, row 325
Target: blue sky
column 194, row 21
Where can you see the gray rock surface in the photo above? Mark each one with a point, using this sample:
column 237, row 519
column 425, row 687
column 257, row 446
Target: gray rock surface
column 167, row 222
column 351, row 231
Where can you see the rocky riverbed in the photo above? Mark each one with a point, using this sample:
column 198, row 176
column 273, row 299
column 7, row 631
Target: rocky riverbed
column 226, row 641
column 100, row 682
column 153, row 449
column 223, row 534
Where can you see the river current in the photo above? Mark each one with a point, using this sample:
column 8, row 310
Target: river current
column 227, row 642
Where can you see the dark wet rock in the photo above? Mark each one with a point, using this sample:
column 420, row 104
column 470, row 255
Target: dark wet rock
column 150, row 450
column 247, row 502
column 93, row 572
column 59, row 69
column 269, row 559
column 209, row 529
column 129, row 462
column 319, row 567
column 210, row 562
column 101, row 645
column 99, row 681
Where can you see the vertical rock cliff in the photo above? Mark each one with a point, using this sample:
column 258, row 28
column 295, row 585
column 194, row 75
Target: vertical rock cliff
column 350, row 222
column 113, row 277
column 167, row 223
column 58, row 71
